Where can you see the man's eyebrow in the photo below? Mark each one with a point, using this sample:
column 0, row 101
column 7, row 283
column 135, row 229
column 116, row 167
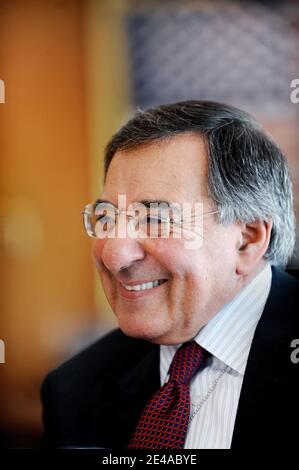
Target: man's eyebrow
column 148, row 202
column 145, row 202
column 104, row 201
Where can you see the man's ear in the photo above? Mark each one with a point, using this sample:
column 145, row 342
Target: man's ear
column 253, row 244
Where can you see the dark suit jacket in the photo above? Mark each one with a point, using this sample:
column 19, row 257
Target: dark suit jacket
column 96, row 398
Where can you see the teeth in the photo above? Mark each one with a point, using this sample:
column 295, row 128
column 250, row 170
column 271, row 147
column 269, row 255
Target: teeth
column 146, row 285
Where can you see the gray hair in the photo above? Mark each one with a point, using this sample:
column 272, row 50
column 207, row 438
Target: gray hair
column 248, row 176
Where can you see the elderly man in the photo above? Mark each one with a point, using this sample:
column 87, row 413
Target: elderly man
column 206, row 313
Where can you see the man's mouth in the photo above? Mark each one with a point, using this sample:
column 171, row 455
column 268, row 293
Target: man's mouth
column 144, row 286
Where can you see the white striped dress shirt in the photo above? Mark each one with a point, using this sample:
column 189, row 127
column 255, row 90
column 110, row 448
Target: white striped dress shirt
column 228, row 337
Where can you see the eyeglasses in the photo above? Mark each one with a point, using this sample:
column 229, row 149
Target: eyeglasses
column 101, row 219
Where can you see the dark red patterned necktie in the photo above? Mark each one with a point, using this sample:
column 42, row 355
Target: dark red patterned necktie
column 164, row 421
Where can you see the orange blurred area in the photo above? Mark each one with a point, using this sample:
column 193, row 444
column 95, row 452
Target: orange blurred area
column 64, row 64
column 50, row 303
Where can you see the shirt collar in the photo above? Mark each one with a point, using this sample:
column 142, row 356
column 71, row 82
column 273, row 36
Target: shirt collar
column 229, row 334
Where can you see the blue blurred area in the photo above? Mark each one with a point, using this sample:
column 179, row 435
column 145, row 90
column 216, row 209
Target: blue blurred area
column 244, row 53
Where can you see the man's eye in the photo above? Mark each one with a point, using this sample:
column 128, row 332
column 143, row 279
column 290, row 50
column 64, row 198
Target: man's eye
column 104, row 217
column 154, row 219
column 101, row 217
column 105, row 221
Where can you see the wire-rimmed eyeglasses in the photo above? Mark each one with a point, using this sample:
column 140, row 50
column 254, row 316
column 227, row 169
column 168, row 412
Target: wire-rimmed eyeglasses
column 101, row 219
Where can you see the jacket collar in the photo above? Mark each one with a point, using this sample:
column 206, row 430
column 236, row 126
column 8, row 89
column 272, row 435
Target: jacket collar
column 115, row 417
column 269, row 371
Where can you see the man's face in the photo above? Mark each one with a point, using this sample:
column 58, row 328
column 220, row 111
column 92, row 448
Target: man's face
column 196, row 282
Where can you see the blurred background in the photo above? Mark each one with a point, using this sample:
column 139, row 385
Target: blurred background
column 74, row 71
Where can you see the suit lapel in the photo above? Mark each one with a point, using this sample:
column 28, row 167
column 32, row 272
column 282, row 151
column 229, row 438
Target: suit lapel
column 263, row 393
column 267, row 386
column 115, row 417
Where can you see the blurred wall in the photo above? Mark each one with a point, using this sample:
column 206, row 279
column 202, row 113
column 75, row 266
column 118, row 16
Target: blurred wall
column 63, row 63
column 47, row 277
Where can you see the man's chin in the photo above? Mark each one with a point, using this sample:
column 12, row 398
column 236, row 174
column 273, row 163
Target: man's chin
column 151, row 335
column 143, row 332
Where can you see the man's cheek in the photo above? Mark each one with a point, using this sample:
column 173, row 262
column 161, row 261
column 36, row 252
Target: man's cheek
column 96, row 252
column 172, row 255
column 184, row 262
column 109, row 288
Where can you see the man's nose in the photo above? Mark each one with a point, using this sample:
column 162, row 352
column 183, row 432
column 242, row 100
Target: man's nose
column 119, row 253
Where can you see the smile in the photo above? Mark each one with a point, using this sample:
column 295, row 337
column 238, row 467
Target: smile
column 144, row 286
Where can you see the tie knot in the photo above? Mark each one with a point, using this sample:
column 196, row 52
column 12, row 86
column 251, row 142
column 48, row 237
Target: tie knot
column 187, row 360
